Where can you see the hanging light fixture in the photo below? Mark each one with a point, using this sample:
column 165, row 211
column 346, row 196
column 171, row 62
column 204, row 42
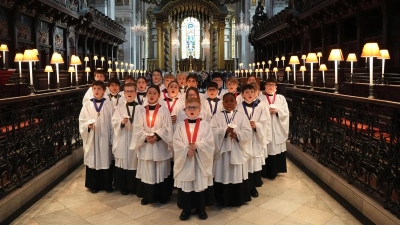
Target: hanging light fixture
column 139, row 29
column 242, row 29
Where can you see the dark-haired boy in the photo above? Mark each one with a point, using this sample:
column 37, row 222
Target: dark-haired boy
column 114, row 96
column 95, row 129
column 214, row 104
column 98, row 75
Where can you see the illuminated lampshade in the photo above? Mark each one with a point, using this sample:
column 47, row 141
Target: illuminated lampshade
column 323, row 67
column 275, row 69
column 122, row 70
column 18, row 57
column 384, row 54
column 87, row 69
column 95, row 57
column 303, row 68
column 277, row 59
column 351, row 57
column 56, row 58
column 287, row 69
column 109, row 61
column 294, row 60
column 109, row 70
column 71, row 69
column 102, row 58
column 117, row 70
column 86, row 59
column 303, row 57
column 75, row 60
column 29, row 56
column 319, row 54
column 336, row 55
column 3, row 47
column 269, row 62
column 371, row 50
column 35, row 51
column 283, row 58
column 311, row 58
column 48, row 69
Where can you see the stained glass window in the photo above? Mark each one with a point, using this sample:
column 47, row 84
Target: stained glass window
column 190, row 43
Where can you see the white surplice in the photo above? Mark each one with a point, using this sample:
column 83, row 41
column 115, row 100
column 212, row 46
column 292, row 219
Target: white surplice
column 179, row 105
column 154, row 160
column 211, row 106
column 116, row 101
column 124, row 158
column 193, row 173
column 279, row 126
column 205, row 114
column 259, row 140
column 141, row 99
column 96, row 141
column 230, row 159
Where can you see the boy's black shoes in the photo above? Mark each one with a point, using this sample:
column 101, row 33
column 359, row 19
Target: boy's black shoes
column 184, row 215
column 254, row 193
column 202, row 215
column 94, row 191
column 144, row 202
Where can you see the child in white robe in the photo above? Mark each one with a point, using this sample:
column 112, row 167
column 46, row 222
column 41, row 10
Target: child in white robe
column 194, row 149
column 166, row 80
column 156, row 78
column 125, row 160
column 259, row 120
column 213, row 102
column 232, row 152
column 114, row 96
column 96, row 131
column 141, row 84
column 98, row 75
column 152, row 140
column 277, row 106
column 173, row 102
column 128, row 79
column 181, row 79
column 193, row 92
column 217, row 78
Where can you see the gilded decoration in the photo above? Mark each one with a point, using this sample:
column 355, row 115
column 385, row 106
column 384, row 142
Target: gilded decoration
column 24, row 32
column 59, row 41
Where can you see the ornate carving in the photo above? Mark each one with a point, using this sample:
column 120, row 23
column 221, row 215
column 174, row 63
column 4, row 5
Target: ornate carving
column 166, row 46
column 214, row 47
column 24, row 32
column 59, row 41
column 3, row 28
column 43, row 37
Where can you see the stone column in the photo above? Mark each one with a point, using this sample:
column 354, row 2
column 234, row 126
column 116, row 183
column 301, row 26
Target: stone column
column 160, row 45
column 166, row 47
column 221, row 45
column 214, row 46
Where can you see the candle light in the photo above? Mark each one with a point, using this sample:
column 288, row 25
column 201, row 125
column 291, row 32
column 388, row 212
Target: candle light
column 267, row 71
column 241, row 73
column 245, row 72
column 122, row 73
column 117, row 70
column 71, row 69
column 249, row 65
column 131, row 66
column 256, row 72
column 129, row 72
column 49, row 70
column 18, row 58
column 95, row 59
column 141, row 72
column 294, row 60
column 4, row 49
column 109, row 63
column 87, row 70
column 56, row 58
column 254, row 65
column 250, row 71
column 304, row 57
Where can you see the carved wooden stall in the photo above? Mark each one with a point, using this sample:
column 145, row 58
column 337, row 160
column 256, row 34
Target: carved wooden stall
column 71, row 27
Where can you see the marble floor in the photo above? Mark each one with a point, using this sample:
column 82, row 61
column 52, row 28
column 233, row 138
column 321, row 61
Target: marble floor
column 292, row 198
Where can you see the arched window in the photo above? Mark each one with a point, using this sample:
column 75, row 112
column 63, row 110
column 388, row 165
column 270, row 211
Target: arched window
column 190, row 43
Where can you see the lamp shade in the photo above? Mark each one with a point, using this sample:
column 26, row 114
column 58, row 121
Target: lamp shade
column 275, row 69
column 269, row 62
column 351, row 57
column 287, row 69
column 18, row 57
column 75, row 60
column 384, row 54
column 71, row 69
column 267, row 70
column 117, row 70
column 311, row 58
column 48, row 69
column 322, row 67
column 109, row 61
column 336, row 54
column 29, row 56
column 294, row 60
column 303, row 68
column 283, row 58
column 35, row 51
column 56, row 58
column 3, row 47
column 371, row 50
column 109, row 70
column 276, row 59
column 303, row 57
column 87, row 69
column 122, row 70
column 86, row 59
column 95, row 57
column 319, row 54
column 102, row 58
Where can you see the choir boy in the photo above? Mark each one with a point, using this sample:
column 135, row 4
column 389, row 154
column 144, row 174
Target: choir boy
column 260, row 122
column 152, row 140
column 156, row 77
column 218, row 78
column 167, row 79
column 114, row 96
column 191, row 81
column 125, row 160
column 251, row 78
column 205, row 114
column 259, row 95
column 141, row 84
column 277, row 106
column 232, row 84
column 213, row 102
column 95, row 129
column 193, row 153
column 181, row 78
column 232, row 135
column 98, row 75
column 128, row 79
column 173, row 102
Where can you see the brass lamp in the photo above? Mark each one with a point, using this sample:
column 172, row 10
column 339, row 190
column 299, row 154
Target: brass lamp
column 384, row 55
column 76, row 61
column 319, row 55
column 4, row 49
column 71, row 70
column 336, row 55
column 18, row 58
column 283, row 58
column 276, row 70
column 371, row 50
column 302, row 69
column 56, row 58
column 87, row 70
column 277, row 61
column 304, row 57
column 294, row 60
column 109, row 72
column 95, row 58
column 311, row 58
column 30, row 56
column 351, row 58
column 287, row 69
column 323, row 68
column 48, row 69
